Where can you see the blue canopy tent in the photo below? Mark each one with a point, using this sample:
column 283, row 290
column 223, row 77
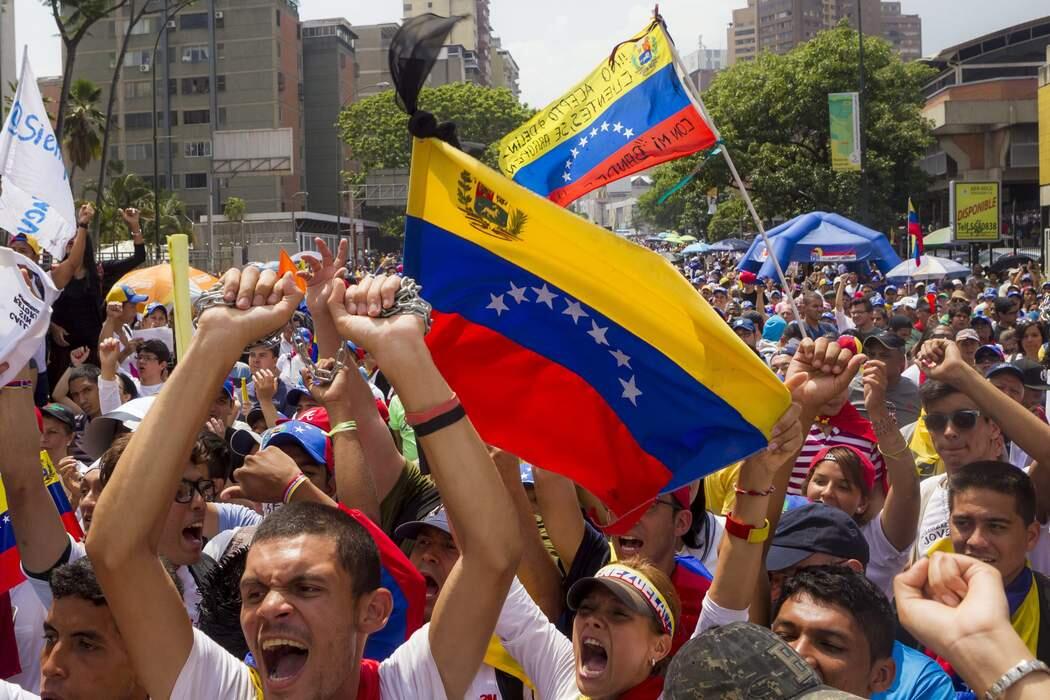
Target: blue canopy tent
column 819, row 237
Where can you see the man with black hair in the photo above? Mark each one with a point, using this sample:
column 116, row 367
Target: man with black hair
column 84, row 655
column 263, row 355
column 862, row 314
column 83, row 394
column 152, row 361
column 842, row 625
column 1006, row 309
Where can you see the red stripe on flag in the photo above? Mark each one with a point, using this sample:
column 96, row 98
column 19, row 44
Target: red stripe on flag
column 581, row 438
column 10, row 569
column 681, row 134
column 72, row 525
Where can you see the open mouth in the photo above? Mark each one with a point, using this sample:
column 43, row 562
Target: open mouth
column 594, row 659
column 432, row 586
column 193, row 535
column 630, row 546
column 284, row 659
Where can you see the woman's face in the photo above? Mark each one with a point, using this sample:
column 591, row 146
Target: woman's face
column 1032, row 340
column 828, row 484
column 614, row 646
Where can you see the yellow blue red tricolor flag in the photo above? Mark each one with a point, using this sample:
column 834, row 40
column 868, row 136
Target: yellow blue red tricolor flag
column 915, row 231
column 10, row 563
column 572, row 348
column 631, row 113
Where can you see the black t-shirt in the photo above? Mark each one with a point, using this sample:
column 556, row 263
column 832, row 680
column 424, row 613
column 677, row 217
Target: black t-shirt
column 592, row 554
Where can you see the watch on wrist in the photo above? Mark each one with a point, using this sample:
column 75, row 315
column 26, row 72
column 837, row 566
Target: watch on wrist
column 1008, row 679
column 743, row 531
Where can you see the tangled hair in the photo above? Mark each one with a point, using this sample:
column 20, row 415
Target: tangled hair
column 355, row 547
column 852, row 592
column 1000, row 477
column 218, row 455
column 219, row 613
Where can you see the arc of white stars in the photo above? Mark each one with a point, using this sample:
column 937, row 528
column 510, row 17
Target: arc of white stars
column 545, row 296
column 605, row 126
column 617, row 127
column 628, row 133
column 598, row 333
column 497, row 304
column 517, row 293
column 630, row 391
column 622, row 359
column 574, row 309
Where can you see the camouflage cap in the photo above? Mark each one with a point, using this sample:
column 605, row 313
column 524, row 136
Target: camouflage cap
column 742, row 661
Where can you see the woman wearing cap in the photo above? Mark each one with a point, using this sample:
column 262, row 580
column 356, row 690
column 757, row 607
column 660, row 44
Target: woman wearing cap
column 842, row 477
column 621, row 637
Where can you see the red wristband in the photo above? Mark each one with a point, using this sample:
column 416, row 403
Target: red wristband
column 749, row 492
column 416, row 417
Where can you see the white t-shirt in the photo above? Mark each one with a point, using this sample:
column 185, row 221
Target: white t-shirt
column 933, row 517
column 884, row 560
column 912, row 373
column 715, row 530
column 29, row 614
column 10, row 691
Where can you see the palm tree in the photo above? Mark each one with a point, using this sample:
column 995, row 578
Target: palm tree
column 124, row 190
column 84, row 125
column 171, row 217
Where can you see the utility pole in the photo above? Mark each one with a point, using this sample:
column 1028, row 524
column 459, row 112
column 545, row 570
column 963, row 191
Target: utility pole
column 863, row 205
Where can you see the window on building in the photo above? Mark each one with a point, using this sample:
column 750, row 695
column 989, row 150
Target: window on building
column 222, row 116
column 195, row 54
column 342, row 60
column 138, row 88
column 139, row 151
column 196, row 149
column 280, row 82
column 220, row 83
column 220, row 20
column 137, row 120
column 220, row 49
column 196, row 20
column 143, row 26
column 196, row 116
column 195, row 86
column 278, row 15
column 195, row 181
column 174, row 118
column 173, row 86
column 408, row 7
column 137, row 58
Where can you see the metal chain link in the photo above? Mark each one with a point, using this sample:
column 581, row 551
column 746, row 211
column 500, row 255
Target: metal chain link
column 408, row 301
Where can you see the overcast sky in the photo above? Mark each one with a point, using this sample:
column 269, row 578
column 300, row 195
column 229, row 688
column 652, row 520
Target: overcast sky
column 557, row 42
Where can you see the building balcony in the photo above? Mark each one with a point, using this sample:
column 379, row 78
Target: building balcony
column 983, row 105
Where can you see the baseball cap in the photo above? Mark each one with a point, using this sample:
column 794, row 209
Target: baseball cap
column 60, row 413
column 631, row 587
column 1034, row 374
column 886, row 339
column 778, row 293
column 967, row 334
column 228, row 388
column 125, row 294
column 774, row 328
column 296, row 394
column 815, row 528
column 992, row 350
column 889, row 288
column 437, row 518
column 743, row 660
column 151, row 307
column 243, row 441
column 979, row 319
column 100, row 432
column 298, row 433
column 745, row 323
column 29, row 240
column 1007, row 368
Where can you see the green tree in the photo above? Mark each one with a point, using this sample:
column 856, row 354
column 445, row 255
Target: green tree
column 123, row 190
column 730, row 220
column 235, row 208
column 84, row 125
column 773, row 116
column 376, row 129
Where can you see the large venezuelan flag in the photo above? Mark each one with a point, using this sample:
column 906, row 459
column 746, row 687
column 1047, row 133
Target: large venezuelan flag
column 10, row 563
column 572, row 348
column 628, row 115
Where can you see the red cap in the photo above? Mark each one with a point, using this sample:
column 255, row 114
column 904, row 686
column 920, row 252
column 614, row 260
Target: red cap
column 748, row 277
column 318, row 417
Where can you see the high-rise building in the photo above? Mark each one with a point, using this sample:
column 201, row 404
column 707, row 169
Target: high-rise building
column 329, row 64
column 473, row 35
column 8, row 50
column 781, row 25
column 702, row 64
column 372, row 49
column 504, row 69
column 219, row 65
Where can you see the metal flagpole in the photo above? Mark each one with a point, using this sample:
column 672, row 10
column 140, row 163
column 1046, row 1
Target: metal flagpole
column 683, row 77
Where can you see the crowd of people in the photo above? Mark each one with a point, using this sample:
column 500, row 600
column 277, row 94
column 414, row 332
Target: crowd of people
column 301, row 508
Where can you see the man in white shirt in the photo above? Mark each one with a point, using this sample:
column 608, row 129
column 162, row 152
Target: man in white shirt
column 310, row 590
column 966, row 416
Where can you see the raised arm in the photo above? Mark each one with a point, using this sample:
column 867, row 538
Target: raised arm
column 62, row 272
column 130, row 514
column 477, row 503
column 38, row 528
column 560, row 510
column 900, row 512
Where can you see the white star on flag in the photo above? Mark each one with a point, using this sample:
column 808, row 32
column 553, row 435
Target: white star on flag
column 517, row 293
column 617, row 127
column 566, row 177
column 605, row 126
column 583, row 141
column 574, row 309
column 628, row 133
column 300, row 429
column 575, row 152
column 568, row 163
column 622, row 360
column 497, row 304
column 594, row 132
column 630, row 391
column 545, row 296
column 598, row 333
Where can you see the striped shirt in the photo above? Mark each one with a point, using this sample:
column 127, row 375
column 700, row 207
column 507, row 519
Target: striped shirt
column 817, row 440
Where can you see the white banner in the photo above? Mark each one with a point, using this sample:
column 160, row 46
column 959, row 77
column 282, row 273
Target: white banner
column 36, row 198
column 24, row 316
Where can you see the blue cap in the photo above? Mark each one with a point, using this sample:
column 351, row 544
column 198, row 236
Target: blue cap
column 126, row 295
column 309, row 437
column 890, row 288
column 437, row 518
column 745, row 323
column 877, row 300
column 774, row 328
column 1004, row 367
column 227, row 387
column 720, row 289
column 1013, row 293
column 747, row 305
column 240, row 371
column 150, row 308
column 777, row 292
column 296, row 394
column 815, row 528
column 828, row 316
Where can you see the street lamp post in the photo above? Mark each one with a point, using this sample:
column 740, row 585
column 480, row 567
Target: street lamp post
column 153, row 118
column 863, row 207
column 295, row 226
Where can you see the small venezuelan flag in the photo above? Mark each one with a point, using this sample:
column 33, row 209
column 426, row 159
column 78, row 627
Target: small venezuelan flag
column 572, row 348
column 915, row 231
column 629, row 114
column 10, row 563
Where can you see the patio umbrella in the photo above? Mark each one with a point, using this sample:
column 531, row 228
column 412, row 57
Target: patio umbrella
column 696, row 248
column 688, row 239
column 942, row 236
column 931, row 268
column 730, row 245
column 155, row 282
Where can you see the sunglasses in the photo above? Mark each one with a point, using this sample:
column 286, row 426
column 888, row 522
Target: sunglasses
column 205, row 487
column 963, row 420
